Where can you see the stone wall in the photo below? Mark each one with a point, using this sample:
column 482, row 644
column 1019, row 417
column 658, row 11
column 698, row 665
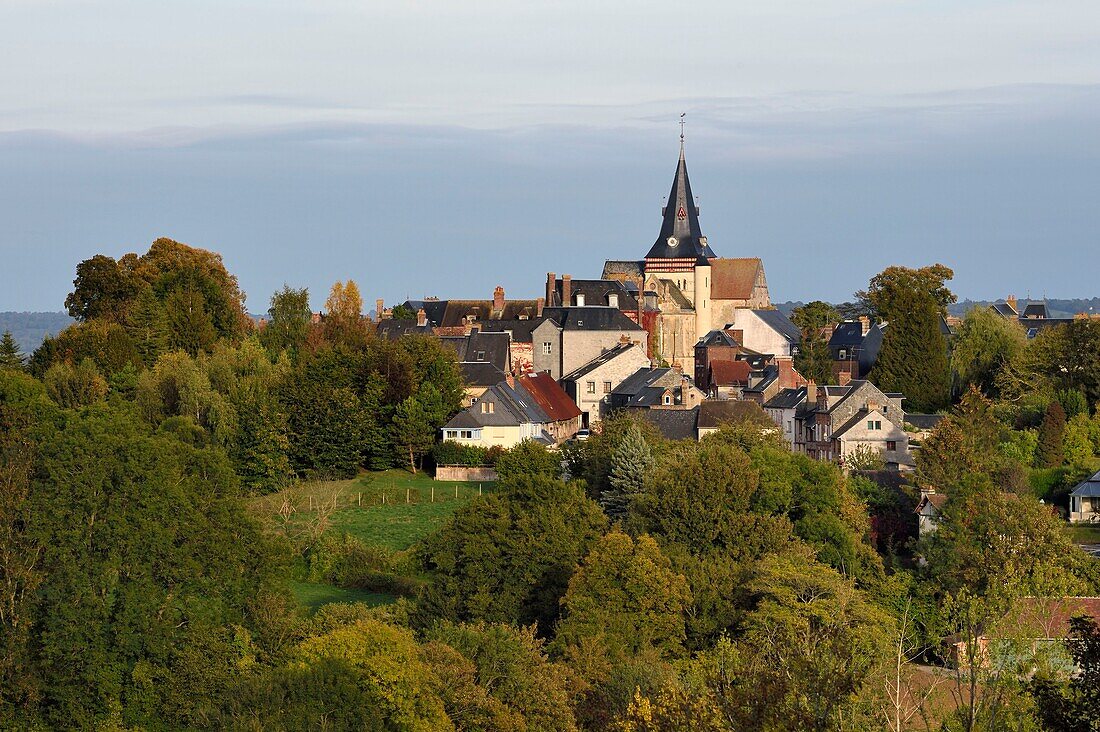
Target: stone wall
column 464, row 473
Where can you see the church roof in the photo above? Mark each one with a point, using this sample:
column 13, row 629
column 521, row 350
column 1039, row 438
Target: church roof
column 680, row 235
column 733, row 279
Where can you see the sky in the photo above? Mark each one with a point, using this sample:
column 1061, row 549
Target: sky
column 430, row 148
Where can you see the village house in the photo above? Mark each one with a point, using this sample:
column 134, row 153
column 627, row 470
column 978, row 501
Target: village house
column 783, row 410
column 1084, row 501
column 568, row 338
column 766, row 331
column 705, row 418
column 656, row 388
column 854, row 347
column 531, row 407
column 842, row 419
column 460, row 317
column 590, row 386
column 928, row 511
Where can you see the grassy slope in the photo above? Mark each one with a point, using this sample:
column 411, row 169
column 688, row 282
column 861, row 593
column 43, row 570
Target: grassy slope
column 405, row 515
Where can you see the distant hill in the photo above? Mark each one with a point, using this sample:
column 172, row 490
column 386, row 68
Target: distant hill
column 1055, row 307
column 30, row 329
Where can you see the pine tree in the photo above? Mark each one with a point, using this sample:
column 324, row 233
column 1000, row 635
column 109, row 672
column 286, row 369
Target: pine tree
column 913, row 357
column 630, row 462
column 148, row 326
column 10, row 355
column 1051, row 432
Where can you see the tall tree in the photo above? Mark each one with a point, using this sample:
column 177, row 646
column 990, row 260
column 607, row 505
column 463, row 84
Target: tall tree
column 985, row 345
column 1051, row 432
column 814, row 360
column 882, row 294
column 913, row 356
column 630, row 463
column 10, row 355
column 289, row 318
column 191, row 327
column 101, row 289
column 963, row 443
column 147, row 325
column 413, row 431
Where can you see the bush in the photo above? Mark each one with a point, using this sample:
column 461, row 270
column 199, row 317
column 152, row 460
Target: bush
column 450, row 452
column 349, row 563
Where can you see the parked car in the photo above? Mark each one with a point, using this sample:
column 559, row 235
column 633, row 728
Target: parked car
column 582, row 434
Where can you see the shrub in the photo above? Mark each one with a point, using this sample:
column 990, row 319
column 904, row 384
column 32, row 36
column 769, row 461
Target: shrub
column 450, row 452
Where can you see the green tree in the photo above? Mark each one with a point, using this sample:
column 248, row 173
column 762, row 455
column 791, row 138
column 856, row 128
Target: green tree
column 1051, row 432
column 190, row 326
column 913, row 356
column 1073, row 705
column 10, row 355
column 413, row 430
column 403, row 312
column 965, row 442
column 1073, row 402
column 508, row 557
column 147, row 325
column 106, row 343
column 814, row 360
column 75, row 386
column 631, row 461
column 985, row 345
column 886, row 295
column 289, row 319
column 101, row 289
column 528, row 459
column 1077, row 445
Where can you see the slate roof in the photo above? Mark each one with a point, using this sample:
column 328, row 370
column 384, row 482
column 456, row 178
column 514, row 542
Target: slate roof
column 631, row 268
column 453, row 313
column 535, row 399
column 480, row 373
column 718, row 338
column 781, row 324
column 680, row 235
column 729, row 373
column 596, row 292
column 1035, row 310
column 771, row 374
column 477, row 346
column 590, row 318
column 1090, row 487
column 1004, row 309
column 848, row 333
column 519, row 329
column 714, row 414
column 392, row 330
column 733, row 279
column 641, row 388
column 787, row 399
column 601, row 360
column 673, row 424
column 924, row 421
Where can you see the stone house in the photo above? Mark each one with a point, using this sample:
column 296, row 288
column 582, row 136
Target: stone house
column 766, row 331
column 783, row 409
column 854, row 347
column 841, row 419
column 460, row 317
column 656, row 388
column 531, row 407
column 928, row 511
column 568, row 338
column 728, row 379
column 590, row 386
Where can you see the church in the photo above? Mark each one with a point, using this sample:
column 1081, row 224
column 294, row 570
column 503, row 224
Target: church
column 688, row 290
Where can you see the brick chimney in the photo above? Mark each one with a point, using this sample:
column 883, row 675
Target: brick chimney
column 540, row 303
column 566, row 289
column 1011, row 300
column 551, row 282
column 421, row 318
column 498, row 298
column 378, row 308
column 811, row 391
column 864, row 324
column 844, row 377
column 511, row 380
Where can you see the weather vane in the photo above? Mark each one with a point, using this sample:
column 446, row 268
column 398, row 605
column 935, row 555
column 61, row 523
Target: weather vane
column 682, row 115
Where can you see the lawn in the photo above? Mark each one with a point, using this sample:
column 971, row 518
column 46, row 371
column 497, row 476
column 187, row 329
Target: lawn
column 392, row 509
column 1084, row 534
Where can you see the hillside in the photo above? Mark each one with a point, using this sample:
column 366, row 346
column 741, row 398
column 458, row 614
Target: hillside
column 30, row 329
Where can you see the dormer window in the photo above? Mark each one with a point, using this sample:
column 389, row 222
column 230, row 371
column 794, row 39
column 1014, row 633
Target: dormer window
column 613, row 300
column 580, row 299
column 668, row 399
column 481, row 355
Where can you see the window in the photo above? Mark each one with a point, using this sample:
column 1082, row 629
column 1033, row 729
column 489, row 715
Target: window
column 667, row 399
column 788, row 427
column 547, row 348
column 613, row 300
column 891, row 445
column 607, row 387
column 843, row 354
column 885, row 408
column 580, row 299
column 580, row 323
column 481, row 355
column 590, row 387
column 874, row 424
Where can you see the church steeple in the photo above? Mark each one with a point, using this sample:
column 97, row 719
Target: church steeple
column 680, row 237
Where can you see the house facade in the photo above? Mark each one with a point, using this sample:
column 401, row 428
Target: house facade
column 842, row 419
column 531, row 407
column 568, row 338
column 591, row 385
column 1084, row 501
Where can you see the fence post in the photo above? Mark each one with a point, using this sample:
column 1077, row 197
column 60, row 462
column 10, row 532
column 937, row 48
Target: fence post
column 433, row 494
column 479, row 489
column 407, row 492
column 311, row 503
column 360, row 499
column 456, row 490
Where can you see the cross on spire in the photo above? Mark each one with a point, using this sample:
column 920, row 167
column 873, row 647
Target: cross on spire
column 682, row 115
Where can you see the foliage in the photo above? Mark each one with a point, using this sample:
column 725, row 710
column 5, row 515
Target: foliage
column 965, row 442
column 289, row 318
column 72, row 387
column 887, row 292
column 814, row 360
column 528, row 459
column 1049, row 453
column 590, row 460
column 10, row 355
column 450, row 452
column 1073, row 705
column 864, row 457
column 508, row 558
column 1077, row 445
column 107, row 344
column 147, row 324
column 1073, row 402
column 985, row 344
column 913, row 356
column 631, row 461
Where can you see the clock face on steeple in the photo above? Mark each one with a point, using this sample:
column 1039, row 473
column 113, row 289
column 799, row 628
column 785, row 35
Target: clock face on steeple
column 672, row 241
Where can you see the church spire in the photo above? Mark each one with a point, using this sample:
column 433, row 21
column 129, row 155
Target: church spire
column 681, row 236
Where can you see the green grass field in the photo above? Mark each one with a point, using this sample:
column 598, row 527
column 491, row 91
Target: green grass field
column 393, row 509
column 1084, row 534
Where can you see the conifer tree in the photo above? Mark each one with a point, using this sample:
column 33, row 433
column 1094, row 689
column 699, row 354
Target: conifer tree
column 10, row 355
column 630, row 462
column 1051, row 432
column 148, row 326
column 913, row 357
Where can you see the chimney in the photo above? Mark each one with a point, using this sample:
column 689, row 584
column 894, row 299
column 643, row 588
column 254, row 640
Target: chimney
column 1011, row 300
column 540, row 303
column 511, row 380
column 378, row 308
column 864, row 324
column 811, row 391
column 844, row 377
column 739, row 336
column 566, row 289
column 498, row 298
column 421, row 318
column 551, row 286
